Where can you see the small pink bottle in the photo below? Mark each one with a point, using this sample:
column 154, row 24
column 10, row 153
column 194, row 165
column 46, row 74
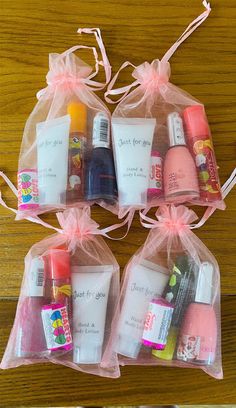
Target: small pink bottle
column 198, row 334
column 180, row 174
column 31, row 341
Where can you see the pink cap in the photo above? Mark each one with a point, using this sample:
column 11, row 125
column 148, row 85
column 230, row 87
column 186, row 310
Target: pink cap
column 59, row 264
column 155, row 153
column 195, row 121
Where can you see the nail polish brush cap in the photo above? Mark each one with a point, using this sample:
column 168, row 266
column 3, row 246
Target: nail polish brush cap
column 36, row 278
column 175, row 129
column 101, row 130
column 204, row 283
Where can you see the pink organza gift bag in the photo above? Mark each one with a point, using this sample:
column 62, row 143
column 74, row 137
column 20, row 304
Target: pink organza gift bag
column 169, row 312
column 68, row 297
column 66, row 158
column 162, row 143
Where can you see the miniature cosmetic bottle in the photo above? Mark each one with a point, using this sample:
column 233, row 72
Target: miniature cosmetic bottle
column 155, row 188
column 77, row 151
column 30, row 336
column 180, row 293
column 101, row 179
column 58, row 277
column 198, row 334
column 57, row 315
column 180, row 174
column 199, row 140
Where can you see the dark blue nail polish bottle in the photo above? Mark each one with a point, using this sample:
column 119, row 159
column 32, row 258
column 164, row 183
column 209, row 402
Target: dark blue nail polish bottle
column 100, row 177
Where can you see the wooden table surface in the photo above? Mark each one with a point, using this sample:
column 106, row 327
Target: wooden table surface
column 205, row 66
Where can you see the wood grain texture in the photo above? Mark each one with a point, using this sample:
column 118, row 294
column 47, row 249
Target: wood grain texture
column 140, row 385
column 204, row 66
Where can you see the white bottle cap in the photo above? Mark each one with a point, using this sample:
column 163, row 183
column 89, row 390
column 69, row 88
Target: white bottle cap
column 175, row 129
column 128, row 347
column 132, row 198
column 101, row 130
column 88, row 353
column 36, row 278
column 204, row 283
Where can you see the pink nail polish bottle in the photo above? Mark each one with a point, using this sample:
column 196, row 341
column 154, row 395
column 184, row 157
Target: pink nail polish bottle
column 31, row 341
column 180, row 174
column 198, row 334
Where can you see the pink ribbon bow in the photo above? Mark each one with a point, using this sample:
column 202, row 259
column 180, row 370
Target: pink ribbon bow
column 158, row 72
column 67, row 70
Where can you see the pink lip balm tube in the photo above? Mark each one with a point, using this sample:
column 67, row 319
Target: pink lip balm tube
column 155, row 188
column 28, row 195
column 157, row 324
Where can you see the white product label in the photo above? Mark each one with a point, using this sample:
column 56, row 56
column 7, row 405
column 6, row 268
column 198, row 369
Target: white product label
column 157, row 323
column 36, row 278
column 56, row 327
column 101, row 129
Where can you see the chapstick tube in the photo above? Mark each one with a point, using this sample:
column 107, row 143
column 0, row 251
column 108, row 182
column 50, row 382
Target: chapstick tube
column 28, row 197
column 52, row 155
column 132, row 142
column 157, row 324
column 155, row 188
column 146, row 281
column 90, row 291
column 56, row 327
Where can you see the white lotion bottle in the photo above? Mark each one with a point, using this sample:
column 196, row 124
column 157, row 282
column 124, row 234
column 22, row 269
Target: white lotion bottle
column 90, row 292
column 147, row 281
column 132, row 143
column 52, row 157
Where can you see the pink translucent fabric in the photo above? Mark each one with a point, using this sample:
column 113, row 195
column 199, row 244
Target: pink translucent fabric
column 69, row 79
column 79, row 235
column 169, row 238
column 154, row 96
